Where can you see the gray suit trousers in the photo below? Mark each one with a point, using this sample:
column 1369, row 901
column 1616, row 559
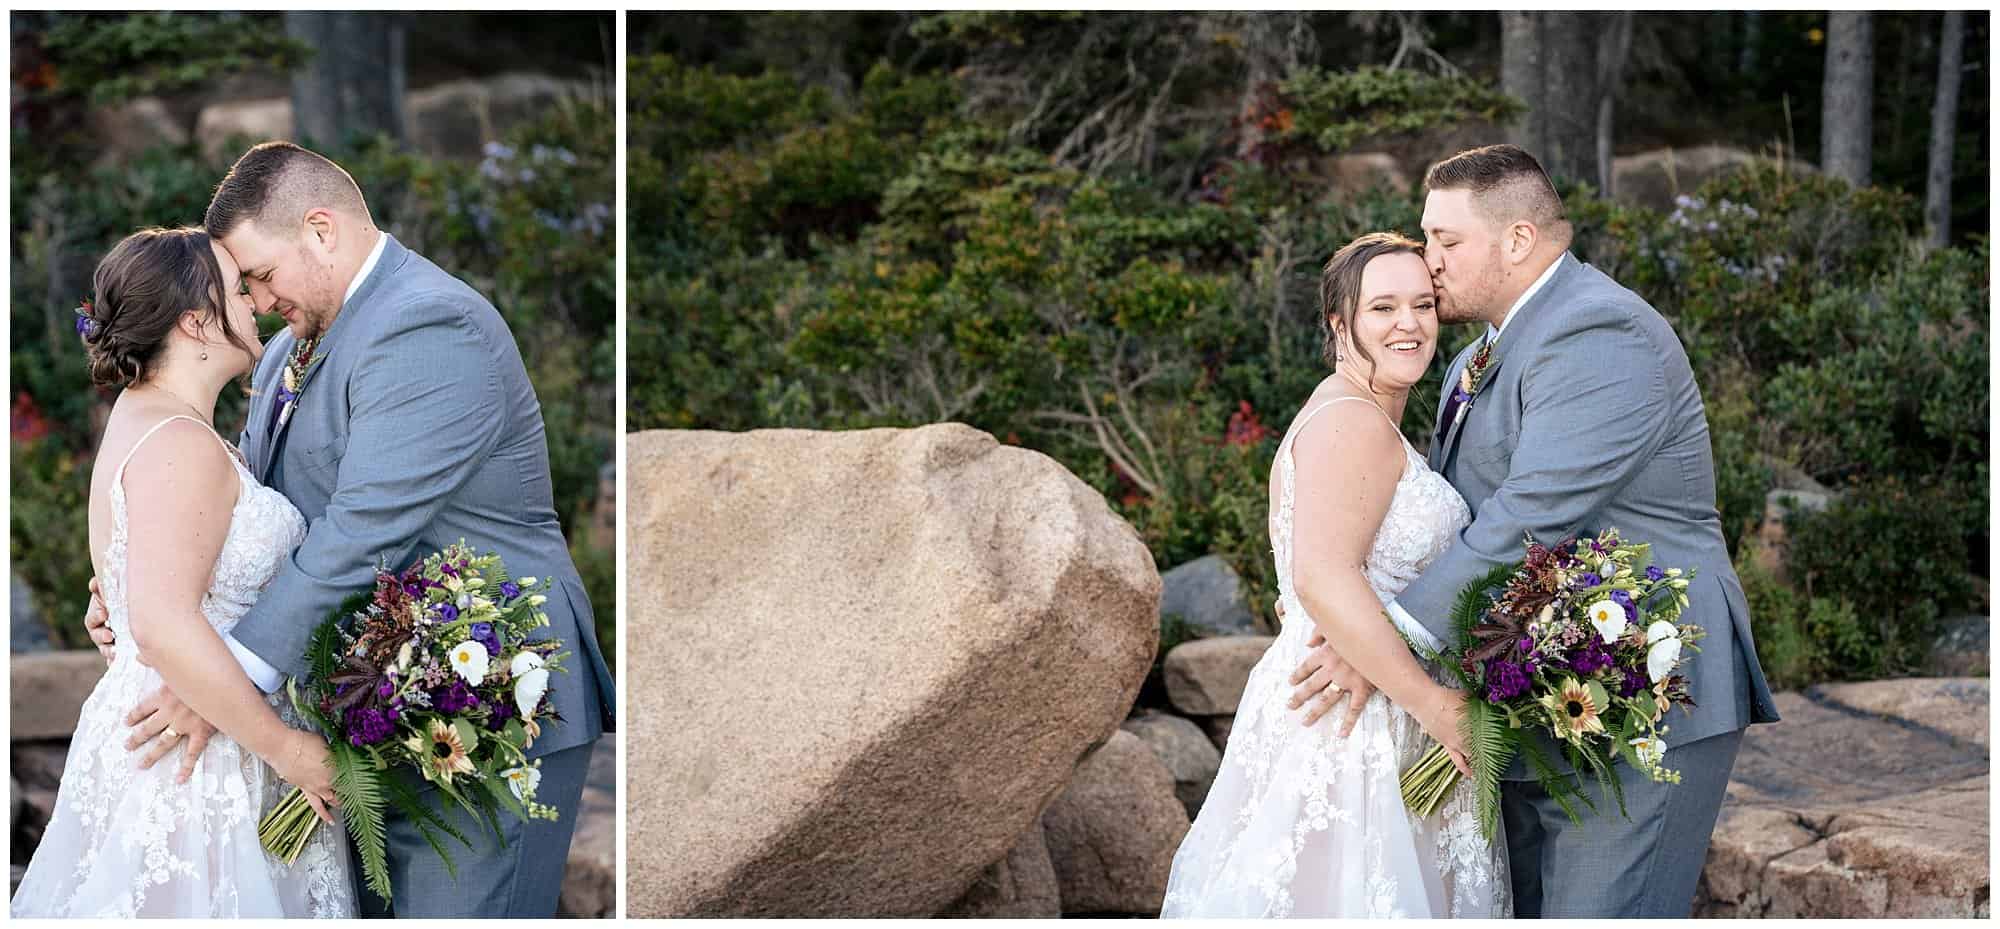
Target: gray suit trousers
column 1649, row 865
column 523, row 879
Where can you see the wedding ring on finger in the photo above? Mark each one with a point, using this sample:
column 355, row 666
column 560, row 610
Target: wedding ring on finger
column 172, row 736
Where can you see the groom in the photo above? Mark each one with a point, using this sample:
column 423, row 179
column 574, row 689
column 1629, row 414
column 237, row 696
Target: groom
column 1587, row 418
column 416, row 427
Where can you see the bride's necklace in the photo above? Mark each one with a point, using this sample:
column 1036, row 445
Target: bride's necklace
column 184, row 402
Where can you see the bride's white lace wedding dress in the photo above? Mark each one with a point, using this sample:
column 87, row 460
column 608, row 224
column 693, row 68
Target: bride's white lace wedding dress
column 124, row 842
column 1301, row 822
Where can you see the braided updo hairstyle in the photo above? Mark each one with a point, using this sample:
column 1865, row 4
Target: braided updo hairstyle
column 143, row 286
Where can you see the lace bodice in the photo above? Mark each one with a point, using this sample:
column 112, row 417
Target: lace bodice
column 264, row 527
column 1425, row 516
column 125, row 842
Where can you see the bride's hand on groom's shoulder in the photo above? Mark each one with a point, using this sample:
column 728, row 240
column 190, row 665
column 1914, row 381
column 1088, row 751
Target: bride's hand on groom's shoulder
column 97, row 622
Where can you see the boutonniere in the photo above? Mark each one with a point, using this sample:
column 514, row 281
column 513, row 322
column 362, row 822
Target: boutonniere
column 1475, row 371
column 292, row 380
column 1467, row 386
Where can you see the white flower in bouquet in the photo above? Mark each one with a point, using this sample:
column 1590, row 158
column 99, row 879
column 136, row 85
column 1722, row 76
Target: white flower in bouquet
column 1609, row 620
column 1664, row 640
column 469, row 659
column 531, row 680
column 523, row 781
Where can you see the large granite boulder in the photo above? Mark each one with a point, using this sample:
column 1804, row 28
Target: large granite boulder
column 453, row 119
column 1868, row 800
column 1654, row 178
column 46, row 692
column 1205, row 677
column 861, row 663
column 1114, row 830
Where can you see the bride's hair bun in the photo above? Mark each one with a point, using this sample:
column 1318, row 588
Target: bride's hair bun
column 143, row 286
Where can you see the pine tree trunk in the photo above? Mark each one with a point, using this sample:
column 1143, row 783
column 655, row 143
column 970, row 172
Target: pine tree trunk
column 1944, row 130
column 1847, row 98
column 354, row 82
column 1521, row 75
column 1614, row 48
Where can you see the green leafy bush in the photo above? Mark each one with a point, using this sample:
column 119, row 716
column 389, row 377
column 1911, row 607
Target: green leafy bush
column 1895, row 550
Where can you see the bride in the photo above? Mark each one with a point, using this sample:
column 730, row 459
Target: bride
column 1303, row 821
column 183, row 538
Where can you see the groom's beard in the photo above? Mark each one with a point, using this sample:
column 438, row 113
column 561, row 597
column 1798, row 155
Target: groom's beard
column 1450, row 311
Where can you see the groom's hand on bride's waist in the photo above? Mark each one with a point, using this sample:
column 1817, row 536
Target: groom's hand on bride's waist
column 1323, row 679
column 97, row 622
column 159, row 723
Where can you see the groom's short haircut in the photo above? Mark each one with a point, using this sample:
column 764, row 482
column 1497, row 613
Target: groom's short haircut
column 1508, row 186
column 274, row 185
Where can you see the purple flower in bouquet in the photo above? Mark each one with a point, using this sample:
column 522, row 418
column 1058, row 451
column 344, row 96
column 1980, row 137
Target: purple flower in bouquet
column 413, row 588
column 1653, row 573
column 502, row 711
column 1624, row 599
column 1589, row 579
column 384, row 689
column 510, row 590
column 1591, row 658
column 447, row 612
column 455, row 699
column 484, row 635
column 367, row 726
column 1504, row 681
column 1634, row 682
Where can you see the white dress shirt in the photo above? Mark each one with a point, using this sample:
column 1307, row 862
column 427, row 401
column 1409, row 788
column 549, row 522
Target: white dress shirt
column 1400, row 616
column 268, row 679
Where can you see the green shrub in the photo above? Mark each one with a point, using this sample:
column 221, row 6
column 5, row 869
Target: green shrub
column 49, row 525
column 1898, row 553
column 1804, row 640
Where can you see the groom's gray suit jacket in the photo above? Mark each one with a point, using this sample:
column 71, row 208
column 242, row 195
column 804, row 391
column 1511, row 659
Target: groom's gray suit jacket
column 418, row 429
column 1590, row 419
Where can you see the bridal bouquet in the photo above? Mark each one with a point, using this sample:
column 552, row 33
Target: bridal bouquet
column 1583, row 642
column 430, row 672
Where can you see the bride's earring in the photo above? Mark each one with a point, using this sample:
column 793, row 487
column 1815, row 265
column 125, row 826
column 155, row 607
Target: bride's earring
column 204, row 355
